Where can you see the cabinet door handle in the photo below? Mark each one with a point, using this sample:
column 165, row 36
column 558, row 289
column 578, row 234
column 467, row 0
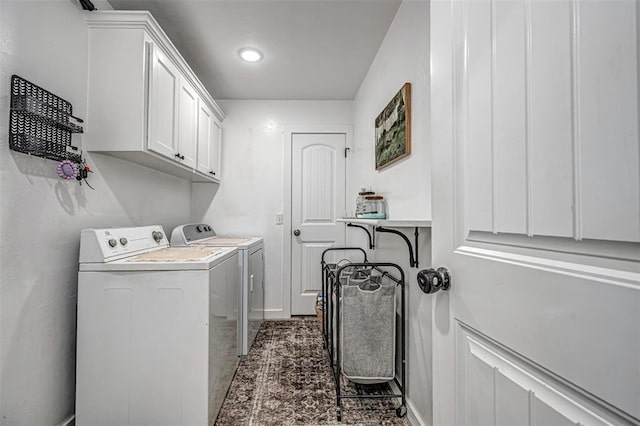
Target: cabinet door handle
column 251, row 283
column 213, row 173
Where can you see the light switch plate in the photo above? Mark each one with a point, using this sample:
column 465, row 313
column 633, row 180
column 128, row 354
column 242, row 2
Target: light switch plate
column 279, row 218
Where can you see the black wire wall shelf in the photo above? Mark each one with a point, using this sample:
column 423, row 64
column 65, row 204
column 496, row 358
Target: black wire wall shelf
column 41, row 123
column 383, row 225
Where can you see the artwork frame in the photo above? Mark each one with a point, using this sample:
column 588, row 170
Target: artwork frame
column 393, row 129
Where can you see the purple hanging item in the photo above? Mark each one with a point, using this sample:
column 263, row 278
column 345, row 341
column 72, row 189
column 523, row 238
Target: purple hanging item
column 67, row 170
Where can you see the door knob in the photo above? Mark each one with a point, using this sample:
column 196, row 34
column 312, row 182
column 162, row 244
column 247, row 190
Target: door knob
column 432, row 280
column 296, row 232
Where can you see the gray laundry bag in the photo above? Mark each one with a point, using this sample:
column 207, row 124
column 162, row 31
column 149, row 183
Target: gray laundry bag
column 367, row 330
column 351, row 275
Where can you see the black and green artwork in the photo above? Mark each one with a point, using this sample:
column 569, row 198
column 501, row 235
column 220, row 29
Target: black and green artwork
column 393, row 129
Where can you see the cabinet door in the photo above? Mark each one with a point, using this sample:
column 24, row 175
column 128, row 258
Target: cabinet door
column 209, row 133
column 163, row 104
column 205, row 134
column 187, row 123
column 214, row 149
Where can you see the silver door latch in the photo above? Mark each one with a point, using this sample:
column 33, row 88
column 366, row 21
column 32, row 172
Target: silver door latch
column 432, row 280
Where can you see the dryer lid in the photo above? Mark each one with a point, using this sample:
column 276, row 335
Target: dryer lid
column 222, row 241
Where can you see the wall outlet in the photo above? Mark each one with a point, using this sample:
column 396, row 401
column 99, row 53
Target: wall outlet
column 279, row 219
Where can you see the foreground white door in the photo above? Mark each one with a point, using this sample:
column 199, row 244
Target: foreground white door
column 536, row 212
column 317, row 200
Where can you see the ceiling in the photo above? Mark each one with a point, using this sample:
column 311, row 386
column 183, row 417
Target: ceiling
column 313, row 49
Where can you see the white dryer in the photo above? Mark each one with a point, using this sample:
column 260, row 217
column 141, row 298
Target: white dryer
column 251, row 290
column 157, row 339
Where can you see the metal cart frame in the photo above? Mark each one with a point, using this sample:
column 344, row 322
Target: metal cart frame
column 331, row 282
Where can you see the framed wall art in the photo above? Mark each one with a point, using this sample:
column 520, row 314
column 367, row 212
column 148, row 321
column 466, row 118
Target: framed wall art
column 393, row 129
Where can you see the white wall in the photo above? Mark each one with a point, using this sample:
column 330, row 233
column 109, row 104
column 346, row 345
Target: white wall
column 251, row 193
column 41, row 216
column 402, row 57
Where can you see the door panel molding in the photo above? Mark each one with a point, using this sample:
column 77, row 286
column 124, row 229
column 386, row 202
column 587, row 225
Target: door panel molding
column 317, row 203
column 541, row 389
column 614, row 250
column 312, row 250
column 531, row 135
column 617, row 277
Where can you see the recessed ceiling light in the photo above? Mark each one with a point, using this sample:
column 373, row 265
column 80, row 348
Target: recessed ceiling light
column 250, row 54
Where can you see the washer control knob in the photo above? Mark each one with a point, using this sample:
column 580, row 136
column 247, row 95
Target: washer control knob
column 157, row 236
column 123, row 241
column 113, row 242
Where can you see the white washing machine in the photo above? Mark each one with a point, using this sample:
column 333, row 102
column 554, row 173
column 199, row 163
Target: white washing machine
column 251, row 290
column 157, row 339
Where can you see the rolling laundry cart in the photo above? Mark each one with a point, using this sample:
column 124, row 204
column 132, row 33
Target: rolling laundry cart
column 358, row 326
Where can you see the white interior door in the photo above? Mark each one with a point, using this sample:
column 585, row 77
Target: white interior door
column 536, row 212
column 317, row 200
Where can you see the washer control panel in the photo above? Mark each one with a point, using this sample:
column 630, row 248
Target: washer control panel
column 103, row 245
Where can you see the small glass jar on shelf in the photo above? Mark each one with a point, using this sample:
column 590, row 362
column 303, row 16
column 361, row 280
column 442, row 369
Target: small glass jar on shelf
column 361, row 202
column 375, row 207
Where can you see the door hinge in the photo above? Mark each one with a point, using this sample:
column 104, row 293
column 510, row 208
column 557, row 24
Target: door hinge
column 345, row 152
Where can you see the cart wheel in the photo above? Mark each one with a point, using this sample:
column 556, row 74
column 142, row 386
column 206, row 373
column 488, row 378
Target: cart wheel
column 401, row 411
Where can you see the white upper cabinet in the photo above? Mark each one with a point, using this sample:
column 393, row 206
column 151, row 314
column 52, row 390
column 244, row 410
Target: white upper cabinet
column 209, row 133
column 145, row 104
column 164, row 91
column 205, row 122
column 214, row 151
column 187, row 124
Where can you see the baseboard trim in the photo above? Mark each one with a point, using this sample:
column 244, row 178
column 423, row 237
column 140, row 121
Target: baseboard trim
column 275, row 314
column 414, row 417
column 412, row 414
column 69, row 421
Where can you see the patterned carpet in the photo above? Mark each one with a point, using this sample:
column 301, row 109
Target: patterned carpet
column 286, row 380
